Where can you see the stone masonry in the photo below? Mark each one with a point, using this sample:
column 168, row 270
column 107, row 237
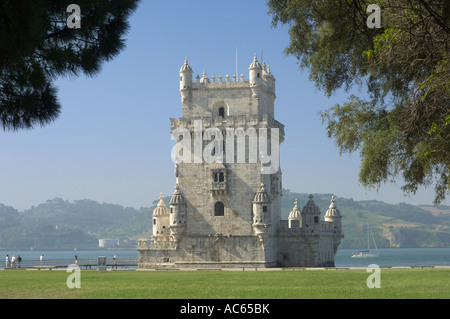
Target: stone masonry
column 226, row 207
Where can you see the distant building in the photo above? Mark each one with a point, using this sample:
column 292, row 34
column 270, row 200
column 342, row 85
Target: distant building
column 108, row 243
column 226, row 207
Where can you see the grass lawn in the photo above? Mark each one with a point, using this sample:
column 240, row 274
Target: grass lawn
column 287, row 284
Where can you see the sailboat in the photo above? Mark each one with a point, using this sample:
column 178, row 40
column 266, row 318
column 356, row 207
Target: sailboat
column 367, row 253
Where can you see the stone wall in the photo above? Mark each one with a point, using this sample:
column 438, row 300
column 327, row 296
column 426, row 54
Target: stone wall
column 210, row 252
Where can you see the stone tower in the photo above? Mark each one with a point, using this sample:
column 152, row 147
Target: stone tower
column 226, row 207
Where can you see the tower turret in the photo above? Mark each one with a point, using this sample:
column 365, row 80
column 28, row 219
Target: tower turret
column 255, row 75
column 177, row 214
column 295, row 214
column 161, row 218
column 311, row 216
column 261, row 211
column 334, row 215
column 185, row 80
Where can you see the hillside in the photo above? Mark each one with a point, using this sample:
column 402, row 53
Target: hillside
column 60, row 224
column 401, row 225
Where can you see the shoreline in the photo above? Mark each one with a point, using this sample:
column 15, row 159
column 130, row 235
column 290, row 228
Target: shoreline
column 64, row 268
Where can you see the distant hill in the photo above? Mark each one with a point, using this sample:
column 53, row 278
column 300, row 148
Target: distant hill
column 399, row 225
column 60, row 224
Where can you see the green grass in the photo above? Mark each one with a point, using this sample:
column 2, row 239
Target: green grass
column 342, row 283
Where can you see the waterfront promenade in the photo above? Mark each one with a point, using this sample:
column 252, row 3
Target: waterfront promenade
column 92, row 263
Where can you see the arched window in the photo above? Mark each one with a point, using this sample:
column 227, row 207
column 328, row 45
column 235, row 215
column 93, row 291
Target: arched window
column 219, row 209
column 222, row 112
column 221, row 177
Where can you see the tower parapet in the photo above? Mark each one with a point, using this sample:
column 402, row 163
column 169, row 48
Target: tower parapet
column 261, row 83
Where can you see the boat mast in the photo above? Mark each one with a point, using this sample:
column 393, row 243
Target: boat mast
column 376, row 248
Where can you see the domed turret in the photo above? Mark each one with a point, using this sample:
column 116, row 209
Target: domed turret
column 255, row 75
column 295, row 214
column 261, row 213
column 334, row 215
column 185, row 80
column 160, row 218
column 310, row 216
column 177, row 198
column 161, row 209
column 185, row 68
column 255, row 64
column 177, row 213
column 261, row 196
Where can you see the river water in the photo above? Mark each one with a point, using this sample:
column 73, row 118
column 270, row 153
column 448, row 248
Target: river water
column 393, row 257
column 396, row 257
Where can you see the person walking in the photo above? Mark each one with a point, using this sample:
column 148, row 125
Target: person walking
column 8, row 261
column 42, row 259
column 13, row 261
column 19, row 260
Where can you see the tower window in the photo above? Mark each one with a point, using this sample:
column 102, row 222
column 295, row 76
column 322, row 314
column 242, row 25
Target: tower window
column 219, row 209
column 316, row 219
column 257, row 75
column 264, row 209
column 218, row 181
column 181, row 78
column 222, row 112
column 219, row 177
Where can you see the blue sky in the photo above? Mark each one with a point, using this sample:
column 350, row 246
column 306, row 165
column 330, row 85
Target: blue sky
column 112, row 141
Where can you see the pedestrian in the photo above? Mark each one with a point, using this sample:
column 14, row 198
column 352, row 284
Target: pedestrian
column 115, row 262
column 13, row 261
column 76, row 260
column 19, row 260
column 42, row 259
column 7, row 261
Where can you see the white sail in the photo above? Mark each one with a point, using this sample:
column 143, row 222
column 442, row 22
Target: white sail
column 367, row 253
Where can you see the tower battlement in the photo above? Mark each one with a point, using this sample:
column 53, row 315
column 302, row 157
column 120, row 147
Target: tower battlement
column 261, row 81
column 224, row 97
column 234, row 81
